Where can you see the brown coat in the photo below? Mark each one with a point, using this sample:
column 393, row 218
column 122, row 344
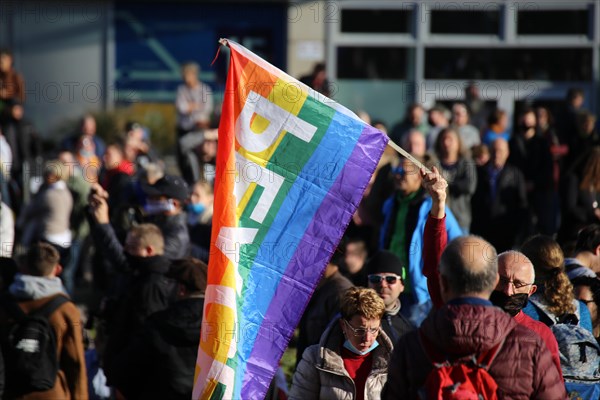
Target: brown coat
column 523, row 369
column 71, row 381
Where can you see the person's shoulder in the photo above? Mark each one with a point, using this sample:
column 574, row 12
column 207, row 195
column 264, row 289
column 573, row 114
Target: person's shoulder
column 523, row 336
column 536, row 326
column 311, row 354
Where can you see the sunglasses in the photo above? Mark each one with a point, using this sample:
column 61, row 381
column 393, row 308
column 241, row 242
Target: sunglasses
column 390, row 279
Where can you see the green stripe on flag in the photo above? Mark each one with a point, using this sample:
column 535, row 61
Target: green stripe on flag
column 288, row 160
column 219, row 392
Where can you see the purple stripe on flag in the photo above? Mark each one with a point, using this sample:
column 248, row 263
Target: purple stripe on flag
column 309, row 260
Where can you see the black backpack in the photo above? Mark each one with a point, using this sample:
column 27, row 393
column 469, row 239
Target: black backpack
column 29, row 348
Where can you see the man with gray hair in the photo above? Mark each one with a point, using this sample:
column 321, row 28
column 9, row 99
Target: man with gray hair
column 467, row 325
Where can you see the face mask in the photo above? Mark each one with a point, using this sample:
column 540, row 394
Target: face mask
column 159, row 206
column 353, row 349
column 196, row 208
column 511, row 304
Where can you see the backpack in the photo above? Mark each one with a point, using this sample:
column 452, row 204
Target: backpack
column 464, row 379
column 29, row 347
column 579, row 352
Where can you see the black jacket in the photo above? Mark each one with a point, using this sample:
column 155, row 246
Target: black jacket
column 147, row 290
column 398, row 328
column 160, row 363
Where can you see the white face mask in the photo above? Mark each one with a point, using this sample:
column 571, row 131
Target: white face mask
column 154, row 207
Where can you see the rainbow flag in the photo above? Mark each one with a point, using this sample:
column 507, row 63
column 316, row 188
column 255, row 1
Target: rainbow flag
column 292, row 166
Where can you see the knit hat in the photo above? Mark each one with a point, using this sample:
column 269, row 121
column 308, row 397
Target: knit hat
column 384, row 261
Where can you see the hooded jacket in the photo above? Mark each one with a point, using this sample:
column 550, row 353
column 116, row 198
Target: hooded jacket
column 32, row 293
column 321, row 373
column 523, row 368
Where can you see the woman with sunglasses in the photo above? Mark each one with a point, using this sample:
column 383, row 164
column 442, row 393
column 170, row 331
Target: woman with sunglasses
column 351, row 360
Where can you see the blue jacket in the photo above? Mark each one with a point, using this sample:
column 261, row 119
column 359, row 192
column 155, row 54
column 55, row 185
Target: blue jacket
column 415, row 254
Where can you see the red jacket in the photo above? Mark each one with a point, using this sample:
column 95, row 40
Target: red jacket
column 434, row 243
column 523, row 369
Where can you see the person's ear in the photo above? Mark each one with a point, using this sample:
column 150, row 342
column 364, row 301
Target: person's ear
column 150, row 251
column 533, row 289
column 58, row 269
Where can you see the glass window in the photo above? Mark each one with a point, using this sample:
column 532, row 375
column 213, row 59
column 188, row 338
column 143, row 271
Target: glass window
column 465, row 22
column 376, row 21
column 557, row 64
column 372, row 62
column 553, row 22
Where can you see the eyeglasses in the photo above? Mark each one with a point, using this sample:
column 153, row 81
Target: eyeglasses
column 377, row 279
column 517, row 284
column 361, row 332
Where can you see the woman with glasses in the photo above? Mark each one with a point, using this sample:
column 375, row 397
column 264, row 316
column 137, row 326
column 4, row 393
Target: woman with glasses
column 351, row 360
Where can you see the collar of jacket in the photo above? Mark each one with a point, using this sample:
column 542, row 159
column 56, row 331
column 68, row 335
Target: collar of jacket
column 155, row 264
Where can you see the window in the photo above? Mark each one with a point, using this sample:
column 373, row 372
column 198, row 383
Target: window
column 553, row 22
column 376, row 21
column 465, row 22
column 372, row 62
column 557, row 64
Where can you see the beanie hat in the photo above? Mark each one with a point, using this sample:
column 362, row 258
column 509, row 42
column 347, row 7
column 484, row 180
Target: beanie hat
column 384, row 261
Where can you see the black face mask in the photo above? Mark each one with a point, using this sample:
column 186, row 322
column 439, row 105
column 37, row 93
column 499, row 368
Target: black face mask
column 511, row 304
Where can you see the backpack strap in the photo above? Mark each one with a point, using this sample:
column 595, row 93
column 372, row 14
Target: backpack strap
column 548, row 317
column 486, row 358
column 47, row 309
column 12, row 306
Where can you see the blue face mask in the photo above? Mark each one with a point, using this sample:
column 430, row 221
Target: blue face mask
column 196, row 208
column 353, row 349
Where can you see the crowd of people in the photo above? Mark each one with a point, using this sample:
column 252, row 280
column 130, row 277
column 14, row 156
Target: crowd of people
column 507, row 218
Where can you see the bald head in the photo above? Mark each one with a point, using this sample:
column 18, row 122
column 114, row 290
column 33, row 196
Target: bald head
column 468, row 267
column 516, row 273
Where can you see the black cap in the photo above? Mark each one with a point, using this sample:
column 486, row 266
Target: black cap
column 190, row 272
column 384, row 262
column 170, row 186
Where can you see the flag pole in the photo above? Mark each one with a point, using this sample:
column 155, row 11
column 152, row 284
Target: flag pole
column 406, row 154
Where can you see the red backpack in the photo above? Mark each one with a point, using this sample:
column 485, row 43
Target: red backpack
column 463, row 379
